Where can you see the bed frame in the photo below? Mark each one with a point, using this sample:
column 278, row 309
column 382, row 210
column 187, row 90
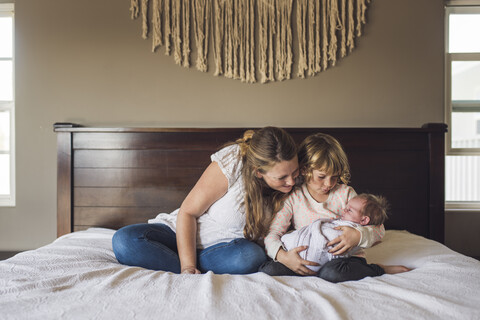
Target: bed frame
column 112, row 177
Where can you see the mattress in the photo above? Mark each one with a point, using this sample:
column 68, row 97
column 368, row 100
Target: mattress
column 78, row 277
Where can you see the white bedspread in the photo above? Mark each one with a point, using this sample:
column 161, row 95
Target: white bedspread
column 78, row 277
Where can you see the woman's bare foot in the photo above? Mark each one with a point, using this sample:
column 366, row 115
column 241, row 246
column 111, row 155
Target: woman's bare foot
column 394, row 269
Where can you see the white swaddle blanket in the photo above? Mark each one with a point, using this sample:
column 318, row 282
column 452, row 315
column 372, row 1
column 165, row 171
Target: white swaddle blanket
column 316, row 236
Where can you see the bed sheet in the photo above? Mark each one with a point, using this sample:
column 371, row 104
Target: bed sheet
column 78, row 277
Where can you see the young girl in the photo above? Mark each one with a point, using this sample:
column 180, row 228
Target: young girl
column 324, row 193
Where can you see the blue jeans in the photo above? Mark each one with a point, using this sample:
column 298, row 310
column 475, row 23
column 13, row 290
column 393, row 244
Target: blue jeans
column 154, row 246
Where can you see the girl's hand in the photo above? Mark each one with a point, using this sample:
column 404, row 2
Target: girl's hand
column 190, row 270
column 347, row 240
column 292, row 260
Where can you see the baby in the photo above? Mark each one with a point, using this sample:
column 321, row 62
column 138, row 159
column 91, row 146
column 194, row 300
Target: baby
column 363, row 209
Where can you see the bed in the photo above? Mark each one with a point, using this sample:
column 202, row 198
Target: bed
column 111, row 177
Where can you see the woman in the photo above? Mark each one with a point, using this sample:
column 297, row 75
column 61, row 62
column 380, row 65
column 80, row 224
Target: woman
column 228, row 209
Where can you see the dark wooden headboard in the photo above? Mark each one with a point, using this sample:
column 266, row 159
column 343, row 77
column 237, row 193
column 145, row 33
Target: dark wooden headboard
column 112, row 177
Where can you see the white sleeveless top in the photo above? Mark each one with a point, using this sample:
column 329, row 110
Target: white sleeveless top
column 225, row 219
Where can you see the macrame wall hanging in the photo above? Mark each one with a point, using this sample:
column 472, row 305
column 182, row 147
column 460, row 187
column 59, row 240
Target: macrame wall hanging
column 252, row 38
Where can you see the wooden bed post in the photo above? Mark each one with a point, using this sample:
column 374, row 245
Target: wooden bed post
column 437, row 180
column 64, row 179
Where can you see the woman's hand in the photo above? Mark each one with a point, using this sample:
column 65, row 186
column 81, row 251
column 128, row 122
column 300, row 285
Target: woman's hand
column 292, row 260
column 190, row 270
column 347, row 240
column 211, row 186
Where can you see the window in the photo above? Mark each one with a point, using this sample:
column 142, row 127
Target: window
column 462, row 99
column 7, row 107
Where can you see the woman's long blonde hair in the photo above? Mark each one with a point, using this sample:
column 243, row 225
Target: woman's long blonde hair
column 323, row 152
column 260, row 151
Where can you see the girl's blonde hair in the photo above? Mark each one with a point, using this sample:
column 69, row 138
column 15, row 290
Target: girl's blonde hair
column 260, row 151
column 323, row 152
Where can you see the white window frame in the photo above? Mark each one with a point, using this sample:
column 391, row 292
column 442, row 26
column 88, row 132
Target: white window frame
column 449, row 59
column 458, row 6
column 7, row 9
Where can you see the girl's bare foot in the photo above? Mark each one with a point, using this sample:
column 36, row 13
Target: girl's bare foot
column 394, row 269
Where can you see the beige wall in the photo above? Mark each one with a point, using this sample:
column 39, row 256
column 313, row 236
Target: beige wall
column 461, row 232
column 84, row 61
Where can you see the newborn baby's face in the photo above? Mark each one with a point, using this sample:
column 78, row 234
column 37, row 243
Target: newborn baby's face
column 352, row 210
